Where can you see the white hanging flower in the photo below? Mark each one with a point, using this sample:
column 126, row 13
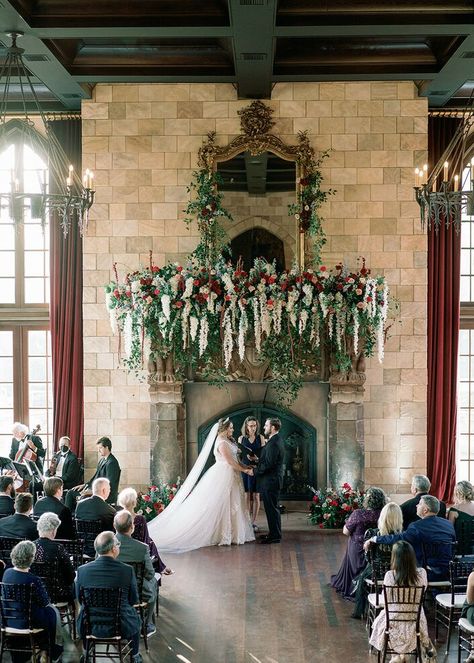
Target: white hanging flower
column 165, row 305
column 228, row 340
column 135, row 287
column 243, row 326
column 324, row 304
column 303, row 321
column 380, row 340
column 203, row 332
column 339, row 317
column 188, row 290
column 127, row 335
column 184, row 323
column 112, row 312
column 193, row 326
column 356, row 330
column 277, row 311
column 265, row 318
column 229, row 286
column 308, row 294
column 174, row 280
column 256, row 325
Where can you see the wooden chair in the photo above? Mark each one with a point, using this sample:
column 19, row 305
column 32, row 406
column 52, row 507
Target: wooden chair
column 49, row 574
column 6, row 546
column 139, row 570
column 75, row 550
column 380, row 563
column 88, row 530
column 402, row 605
column 465, row 535
column 465, row 637
column 448, row 606
column 435, row 554
column 102, row 608
column 16, row 606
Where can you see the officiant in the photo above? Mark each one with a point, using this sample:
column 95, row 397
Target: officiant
column 253, row 441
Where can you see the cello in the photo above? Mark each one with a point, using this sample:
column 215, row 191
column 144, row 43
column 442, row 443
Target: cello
column 27, row 453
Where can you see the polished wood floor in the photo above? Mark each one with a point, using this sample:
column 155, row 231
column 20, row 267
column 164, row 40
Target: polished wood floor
column 259, row 604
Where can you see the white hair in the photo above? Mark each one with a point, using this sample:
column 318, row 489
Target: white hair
column 48, row 522
column 97, row 484
column 127, row 498
column 20, row 428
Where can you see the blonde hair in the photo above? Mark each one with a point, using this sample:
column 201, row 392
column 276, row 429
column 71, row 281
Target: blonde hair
column 464, row 490
column 127, row 498
column 244, row 429
column 223, row 425
column 390, row 520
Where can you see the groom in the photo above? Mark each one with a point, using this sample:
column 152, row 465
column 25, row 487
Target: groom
column 269, row 473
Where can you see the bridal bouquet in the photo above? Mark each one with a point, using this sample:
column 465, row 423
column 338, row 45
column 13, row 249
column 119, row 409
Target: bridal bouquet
column 330, row 508
column 156, row 498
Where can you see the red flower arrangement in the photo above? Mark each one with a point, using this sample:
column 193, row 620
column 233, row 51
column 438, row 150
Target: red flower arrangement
column 157, row 498
column 330, row 508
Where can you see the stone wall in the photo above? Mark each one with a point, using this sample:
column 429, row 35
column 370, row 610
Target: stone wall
column 141, row 142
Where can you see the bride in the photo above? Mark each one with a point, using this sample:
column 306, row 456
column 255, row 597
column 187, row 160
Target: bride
column 210, row 511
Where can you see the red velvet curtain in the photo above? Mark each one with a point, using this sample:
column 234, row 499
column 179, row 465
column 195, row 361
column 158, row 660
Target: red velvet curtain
column 444, row 251
column 66, row 309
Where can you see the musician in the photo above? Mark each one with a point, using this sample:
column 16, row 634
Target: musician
column 65, row 464
column 7, row 496
column 21, row 439
column 107, row 467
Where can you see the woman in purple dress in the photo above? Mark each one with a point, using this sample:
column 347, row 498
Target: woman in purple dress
column 358, row 522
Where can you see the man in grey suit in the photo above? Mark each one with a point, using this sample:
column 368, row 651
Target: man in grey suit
column 132, row 550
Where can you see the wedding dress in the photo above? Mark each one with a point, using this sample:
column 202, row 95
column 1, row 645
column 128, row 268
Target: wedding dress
column 206, row 512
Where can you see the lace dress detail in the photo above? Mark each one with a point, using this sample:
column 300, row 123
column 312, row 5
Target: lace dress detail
column 214, row 513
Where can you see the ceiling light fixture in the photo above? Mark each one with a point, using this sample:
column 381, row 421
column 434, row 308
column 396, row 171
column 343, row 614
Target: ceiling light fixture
column 57, row 189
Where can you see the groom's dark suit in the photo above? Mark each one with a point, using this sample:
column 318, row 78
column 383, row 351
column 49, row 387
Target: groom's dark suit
column 269, row 473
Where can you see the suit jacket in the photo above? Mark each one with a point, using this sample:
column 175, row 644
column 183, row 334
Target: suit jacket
column 269, row 469
column 108, row 572
column 409, row 510
column 71, row 472
column 7, row 505
column 40, row 451
column 95, row 508
column 110, row 469
column 430, row 530
column 52, row 504
column 18, row 526
column 132, row 550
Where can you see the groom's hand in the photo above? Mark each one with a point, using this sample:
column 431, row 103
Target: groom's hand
column 250, row 472
column 252, row 457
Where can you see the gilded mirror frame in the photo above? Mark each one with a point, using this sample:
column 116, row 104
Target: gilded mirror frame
column 255, row 137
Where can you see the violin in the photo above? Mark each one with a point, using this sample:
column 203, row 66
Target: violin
column 27, row 453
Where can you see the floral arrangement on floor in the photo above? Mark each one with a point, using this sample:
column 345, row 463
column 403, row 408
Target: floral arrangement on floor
column 156, row 498
column 330, row 508
column 205, row 317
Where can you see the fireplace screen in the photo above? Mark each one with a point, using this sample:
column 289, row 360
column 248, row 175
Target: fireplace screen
column 300, row 447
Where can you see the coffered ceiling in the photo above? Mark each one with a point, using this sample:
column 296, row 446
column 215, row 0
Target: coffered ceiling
column 72, row 45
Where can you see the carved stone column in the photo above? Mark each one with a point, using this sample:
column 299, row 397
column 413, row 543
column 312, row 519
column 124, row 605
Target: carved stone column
column 346, row 429
column 167, row 443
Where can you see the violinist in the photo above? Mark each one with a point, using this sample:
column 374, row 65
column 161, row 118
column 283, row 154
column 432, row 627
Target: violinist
column 65, row 464
column 22, row 439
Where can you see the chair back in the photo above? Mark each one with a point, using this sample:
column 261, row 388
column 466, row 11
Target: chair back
column 465, row 536
column 403, row 604
column 15, row 605
column 75, row 550
column 139, row 570
column 7, row 544
column 438, row 555
column 49, row 574
column 101, row 606
column 88, row 530
column 458, row 575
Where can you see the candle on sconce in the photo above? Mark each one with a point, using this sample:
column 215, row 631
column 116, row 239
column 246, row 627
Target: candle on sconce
column 425, row 173
column 472, row 169
column 456, row 182
column 68, row 182
column 445, row 171
column 88, row 178
column 417, row 177
column 17, row 185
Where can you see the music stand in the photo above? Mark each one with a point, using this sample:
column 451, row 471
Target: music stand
column 6, row 464
column 23, row 471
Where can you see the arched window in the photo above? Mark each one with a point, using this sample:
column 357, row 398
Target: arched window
column 465, row 420
column 25, row 344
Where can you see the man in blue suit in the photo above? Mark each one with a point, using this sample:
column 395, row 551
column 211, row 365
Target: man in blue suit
column 431, row 531
column 107, row 571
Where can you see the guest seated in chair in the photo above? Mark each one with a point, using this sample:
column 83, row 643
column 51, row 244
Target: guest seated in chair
column 462, row 515
column 96, row 507
column 420, row 485
column 7, row 496
column 47, row 550
column 52, row 502
column 20, row 525
column 65, row 465
column 107, row 571
column 135, row 551
column 127, row 499
column 43, row 614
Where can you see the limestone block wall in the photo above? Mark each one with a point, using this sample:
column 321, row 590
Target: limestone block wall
column 141, row 141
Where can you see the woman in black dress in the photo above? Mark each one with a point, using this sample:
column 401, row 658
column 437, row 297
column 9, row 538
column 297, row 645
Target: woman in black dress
column 251, row 438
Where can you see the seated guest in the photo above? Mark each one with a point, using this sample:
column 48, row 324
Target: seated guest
column 96, row 507
column 462, row 513
column 403, row 573
column 420, row 485
column 47, row 550
column 7, row 496
column 107, row 571
column 127, row 499
column 107, row 467
column 20, row 525
column 51, row 502
column 65, row 464
column 43, row 614
column 136, row 551
column 431, row 530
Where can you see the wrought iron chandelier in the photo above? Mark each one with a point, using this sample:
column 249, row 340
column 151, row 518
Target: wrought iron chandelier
column 447, row 192
column 59, row 191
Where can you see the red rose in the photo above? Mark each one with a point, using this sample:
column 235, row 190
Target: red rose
column 196, row 282
column 178, row 304
column 116, row 293
column 157, row 291
column 147, row 498
column 321, row 525
column 322, row 268
column 155, row 269
column 368, row 299
column 179, row 268
column 227, row 298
